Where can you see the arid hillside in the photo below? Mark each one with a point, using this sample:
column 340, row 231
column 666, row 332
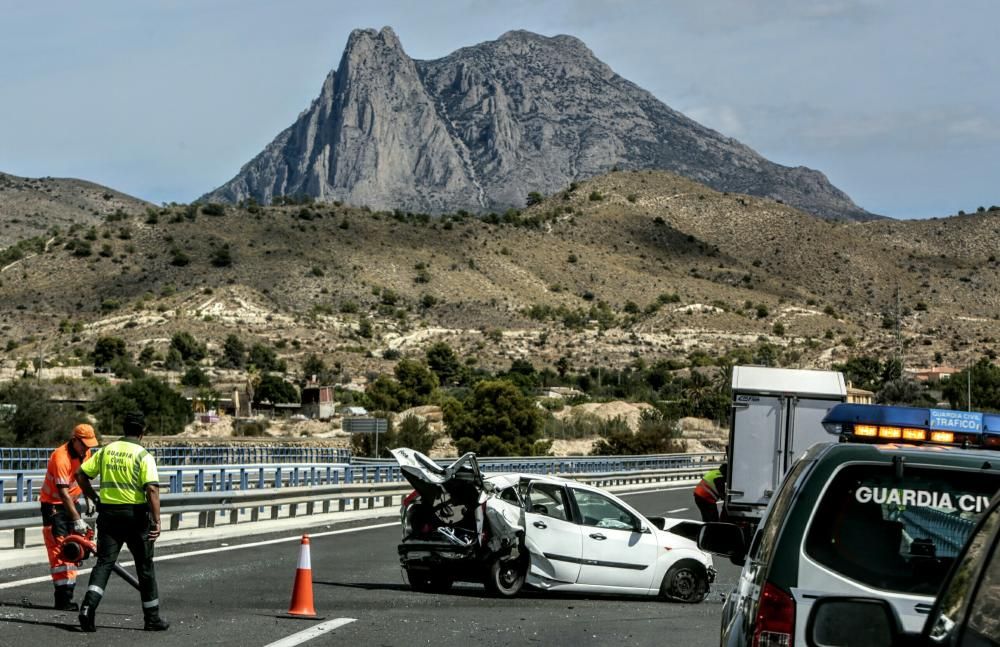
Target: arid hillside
column 635, row 264
column 31, row 207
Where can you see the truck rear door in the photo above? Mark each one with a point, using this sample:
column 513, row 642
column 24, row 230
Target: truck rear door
column 805, row 426
column 757, row 447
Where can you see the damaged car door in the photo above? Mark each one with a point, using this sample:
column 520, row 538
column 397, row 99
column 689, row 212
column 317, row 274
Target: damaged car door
column 619, row 549
column 552, row 537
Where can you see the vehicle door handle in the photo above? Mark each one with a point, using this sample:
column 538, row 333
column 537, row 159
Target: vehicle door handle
column 539, row 524
column 598, row 536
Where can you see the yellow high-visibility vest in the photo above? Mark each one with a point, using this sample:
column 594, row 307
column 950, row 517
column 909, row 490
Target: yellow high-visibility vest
column 125, row 468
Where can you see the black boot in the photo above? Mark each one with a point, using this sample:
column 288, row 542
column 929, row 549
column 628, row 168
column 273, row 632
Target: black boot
column 153, row 621
column 88, row 611
column 64, row 599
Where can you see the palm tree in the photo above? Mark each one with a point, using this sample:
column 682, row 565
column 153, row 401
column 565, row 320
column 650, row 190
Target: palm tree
column 253, row 381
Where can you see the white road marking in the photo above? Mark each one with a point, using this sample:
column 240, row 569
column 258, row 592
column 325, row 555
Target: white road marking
column 669, row 489
column 676, row 510
column 208, row 551
column 311, row 632
column 35, row 580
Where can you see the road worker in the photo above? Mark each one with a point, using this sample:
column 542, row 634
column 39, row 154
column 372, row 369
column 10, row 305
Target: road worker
column 128, row 514
column 709, row 491
column 61, row 509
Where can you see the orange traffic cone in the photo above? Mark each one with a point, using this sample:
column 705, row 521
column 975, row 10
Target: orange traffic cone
column 302, row 590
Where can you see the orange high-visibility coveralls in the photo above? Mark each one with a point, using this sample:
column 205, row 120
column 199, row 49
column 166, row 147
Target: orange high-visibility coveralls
column 55, row 522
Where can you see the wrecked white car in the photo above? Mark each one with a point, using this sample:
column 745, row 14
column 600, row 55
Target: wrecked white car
column 508, row 530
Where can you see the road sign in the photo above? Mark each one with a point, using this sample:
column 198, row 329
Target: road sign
column 971, row 421
column 366, row 425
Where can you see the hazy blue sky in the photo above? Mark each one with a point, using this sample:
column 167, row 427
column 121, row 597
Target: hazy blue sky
column 898, row 102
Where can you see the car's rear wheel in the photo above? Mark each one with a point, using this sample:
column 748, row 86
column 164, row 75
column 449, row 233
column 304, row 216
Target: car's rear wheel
column 505, row 577
column 686, row 581
column 427, row 582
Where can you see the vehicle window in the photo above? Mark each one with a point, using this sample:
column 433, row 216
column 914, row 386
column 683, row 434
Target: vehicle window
column 767, row 536
column 687, row 530
column 600, row 511
column 548, row 499
column 949, row 610
column 897, row 534
column 510, row 494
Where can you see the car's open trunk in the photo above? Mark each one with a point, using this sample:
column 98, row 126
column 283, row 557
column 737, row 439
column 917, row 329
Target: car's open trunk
column 452, row 522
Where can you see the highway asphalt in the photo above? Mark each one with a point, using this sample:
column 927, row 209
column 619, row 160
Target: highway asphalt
column 234, row 591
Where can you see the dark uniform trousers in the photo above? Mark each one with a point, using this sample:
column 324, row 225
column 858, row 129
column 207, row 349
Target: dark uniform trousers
column 709, row 510
column 117, row 526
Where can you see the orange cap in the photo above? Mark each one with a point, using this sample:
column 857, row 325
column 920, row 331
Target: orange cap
column 86, row 434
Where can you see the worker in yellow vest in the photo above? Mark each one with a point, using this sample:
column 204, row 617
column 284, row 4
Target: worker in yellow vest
column 128, row 514
column 710, row 491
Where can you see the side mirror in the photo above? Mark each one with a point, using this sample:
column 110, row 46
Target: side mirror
column 725, row 539
column 859, row 622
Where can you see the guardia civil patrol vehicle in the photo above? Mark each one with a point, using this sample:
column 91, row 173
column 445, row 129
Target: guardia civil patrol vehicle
column 881, row 511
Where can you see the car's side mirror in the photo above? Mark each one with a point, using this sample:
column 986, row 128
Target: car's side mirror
column 859, row 622
column 724, row 539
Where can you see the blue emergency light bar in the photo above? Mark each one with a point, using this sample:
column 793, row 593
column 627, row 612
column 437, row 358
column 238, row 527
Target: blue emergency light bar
column 881, row 423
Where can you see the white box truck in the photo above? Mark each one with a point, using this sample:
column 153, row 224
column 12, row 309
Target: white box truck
column 776, row 415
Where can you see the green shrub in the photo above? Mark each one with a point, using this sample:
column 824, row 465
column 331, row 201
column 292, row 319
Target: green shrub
column 254, row 428
column 222, row 256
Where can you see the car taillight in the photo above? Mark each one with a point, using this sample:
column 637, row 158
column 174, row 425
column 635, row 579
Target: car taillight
column 775, row 625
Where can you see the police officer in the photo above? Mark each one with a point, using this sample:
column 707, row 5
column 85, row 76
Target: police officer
column 128, row 513
column 60, row 513
column 709, row 491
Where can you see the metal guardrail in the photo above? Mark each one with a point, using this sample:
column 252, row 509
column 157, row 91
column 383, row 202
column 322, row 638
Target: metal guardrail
column 36, row 458
column 20, row 516
column 949, row 532
column 585, row 463
column 24, row 487
column 176, row 479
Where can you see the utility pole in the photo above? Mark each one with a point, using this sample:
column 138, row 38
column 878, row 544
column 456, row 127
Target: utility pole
column 899, row 337
column 968, row 396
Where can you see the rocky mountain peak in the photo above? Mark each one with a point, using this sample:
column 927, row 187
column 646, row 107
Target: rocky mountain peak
column 363, row 42
column 481, row 128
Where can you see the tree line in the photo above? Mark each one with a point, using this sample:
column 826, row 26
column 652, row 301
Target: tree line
column 488, row 412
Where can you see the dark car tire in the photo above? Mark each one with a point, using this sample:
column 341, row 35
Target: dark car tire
column 505, row 577
column 425, row 582
column 686, row 581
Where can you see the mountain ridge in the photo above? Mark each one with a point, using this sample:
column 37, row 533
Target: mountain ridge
column 484, row 126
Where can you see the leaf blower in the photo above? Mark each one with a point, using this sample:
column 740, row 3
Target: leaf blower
column 76, row 548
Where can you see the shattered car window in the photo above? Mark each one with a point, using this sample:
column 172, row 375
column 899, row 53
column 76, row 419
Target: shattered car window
column 548, row 499
column 602, row 512
column 510, row 494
